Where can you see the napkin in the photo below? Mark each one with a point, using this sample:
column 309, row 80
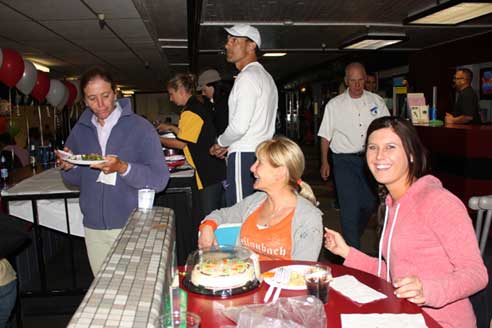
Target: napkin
column 383, row 320
column 352, row 288
column 109, row 179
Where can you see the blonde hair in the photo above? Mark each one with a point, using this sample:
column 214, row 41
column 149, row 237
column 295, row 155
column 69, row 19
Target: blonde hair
column 185, row 80
column 281, row 151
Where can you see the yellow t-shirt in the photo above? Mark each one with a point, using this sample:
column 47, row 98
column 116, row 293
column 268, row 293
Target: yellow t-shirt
column 190, row 126
column 7, row 273
column 271, row 243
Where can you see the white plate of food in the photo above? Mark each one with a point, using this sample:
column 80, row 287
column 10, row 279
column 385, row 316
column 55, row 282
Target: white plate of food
column 174, row 158
column 296, row 277
column 85, row 159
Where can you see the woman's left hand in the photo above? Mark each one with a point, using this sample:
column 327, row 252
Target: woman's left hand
column 410, row 288
column 112, row 164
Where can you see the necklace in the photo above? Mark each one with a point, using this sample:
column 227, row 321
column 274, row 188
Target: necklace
column 270, row 217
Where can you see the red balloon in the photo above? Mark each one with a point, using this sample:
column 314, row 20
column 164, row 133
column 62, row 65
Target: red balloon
column 41, row 87
column 12, row 67
column 72, row 92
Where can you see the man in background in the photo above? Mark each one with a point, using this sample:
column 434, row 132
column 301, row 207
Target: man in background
column 373, row 86
column 343, row 130
column 253, row 103
column 371, row 83
column 217, row 91
column 466, row 108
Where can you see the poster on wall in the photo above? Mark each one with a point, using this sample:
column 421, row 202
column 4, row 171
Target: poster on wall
column 486, row 83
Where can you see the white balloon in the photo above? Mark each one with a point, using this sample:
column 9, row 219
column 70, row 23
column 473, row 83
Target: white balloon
column 56, row 93
column 28, row 79
column 65, row 98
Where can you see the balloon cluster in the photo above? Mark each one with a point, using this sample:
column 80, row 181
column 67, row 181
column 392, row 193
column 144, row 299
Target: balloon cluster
column 21, row 73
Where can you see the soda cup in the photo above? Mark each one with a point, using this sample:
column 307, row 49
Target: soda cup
column 317, row 280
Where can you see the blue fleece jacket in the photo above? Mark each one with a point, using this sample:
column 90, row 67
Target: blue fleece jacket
column 135, row 141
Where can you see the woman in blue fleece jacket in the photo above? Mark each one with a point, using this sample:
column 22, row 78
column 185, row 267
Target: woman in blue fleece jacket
column 131, row 146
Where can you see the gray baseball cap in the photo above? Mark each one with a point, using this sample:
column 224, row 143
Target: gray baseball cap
column 208, row 76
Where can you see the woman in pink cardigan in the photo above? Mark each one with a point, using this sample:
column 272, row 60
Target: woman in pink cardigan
column 428, row 249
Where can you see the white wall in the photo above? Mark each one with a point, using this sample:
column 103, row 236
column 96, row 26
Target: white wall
column 156, row 106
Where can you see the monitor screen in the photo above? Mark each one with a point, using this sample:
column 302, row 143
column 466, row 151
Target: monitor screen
column 486, row 83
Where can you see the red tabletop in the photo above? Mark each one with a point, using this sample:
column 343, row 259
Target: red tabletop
column 210, row 308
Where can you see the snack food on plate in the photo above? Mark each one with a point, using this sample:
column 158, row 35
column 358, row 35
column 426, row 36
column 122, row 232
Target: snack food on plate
column 86, row 157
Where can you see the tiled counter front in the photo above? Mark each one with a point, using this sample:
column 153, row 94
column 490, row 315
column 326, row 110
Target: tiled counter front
column 128, row 291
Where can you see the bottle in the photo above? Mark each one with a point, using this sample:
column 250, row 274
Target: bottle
column 51, row 152
column 433, row 113
column 4, row 171
column 32, row 156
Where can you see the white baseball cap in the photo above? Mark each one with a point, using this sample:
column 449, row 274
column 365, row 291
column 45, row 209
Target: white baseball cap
column 245, row 31
column 208, row 76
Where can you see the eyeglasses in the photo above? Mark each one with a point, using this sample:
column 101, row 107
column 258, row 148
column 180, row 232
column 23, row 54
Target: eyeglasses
column 458, row 78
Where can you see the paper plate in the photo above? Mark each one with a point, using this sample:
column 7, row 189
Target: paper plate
column 298, row 269
column 174, row 158
column 77, row 159
column 84, row 162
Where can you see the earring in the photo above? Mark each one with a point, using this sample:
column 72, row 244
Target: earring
column 411, row 159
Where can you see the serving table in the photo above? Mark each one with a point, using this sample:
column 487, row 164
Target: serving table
column 210, row 308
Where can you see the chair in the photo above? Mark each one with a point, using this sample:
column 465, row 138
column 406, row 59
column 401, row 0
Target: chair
column 485, row 204
column 481, row 301
column 482, row 204
column 226, row 234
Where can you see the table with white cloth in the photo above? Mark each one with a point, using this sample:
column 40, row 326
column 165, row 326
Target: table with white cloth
column 53, row 197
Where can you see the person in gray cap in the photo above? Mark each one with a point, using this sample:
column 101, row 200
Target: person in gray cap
column 253, row 103
column 217, row 91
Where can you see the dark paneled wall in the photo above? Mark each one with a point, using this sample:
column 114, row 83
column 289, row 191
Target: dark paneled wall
column 436, row 65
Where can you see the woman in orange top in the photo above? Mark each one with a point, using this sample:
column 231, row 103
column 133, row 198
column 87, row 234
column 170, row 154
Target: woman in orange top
column 282, row 221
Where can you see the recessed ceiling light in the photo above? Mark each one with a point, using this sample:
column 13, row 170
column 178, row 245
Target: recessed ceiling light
column 169, row 46
column 41, row 67
column 451, row 12
column 274, row 54
column 373, row 41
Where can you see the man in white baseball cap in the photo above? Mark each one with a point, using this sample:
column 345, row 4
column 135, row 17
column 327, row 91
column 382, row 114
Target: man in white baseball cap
column 245, row 31
column 253, row 103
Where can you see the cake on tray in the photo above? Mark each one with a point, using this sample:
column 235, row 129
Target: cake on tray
column 222, row 273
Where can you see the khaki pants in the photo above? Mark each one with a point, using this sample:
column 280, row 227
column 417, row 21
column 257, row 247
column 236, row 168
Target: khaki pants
column 98, row 244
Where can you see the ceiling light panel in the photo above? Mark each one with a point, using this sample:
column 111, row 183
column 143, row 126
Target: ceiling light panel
column 451, row 13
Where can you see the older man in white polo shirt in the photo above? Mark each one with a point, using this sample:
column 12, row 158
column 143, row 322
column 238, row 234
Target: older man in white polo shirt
column 253, row 103
column 343, row 130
